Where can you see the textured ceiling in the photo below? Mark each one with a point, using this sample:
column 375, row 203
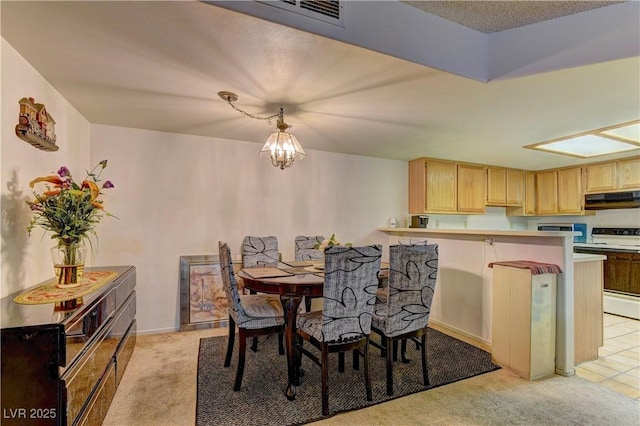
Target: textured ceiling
column 494, row 16
column 159, row 65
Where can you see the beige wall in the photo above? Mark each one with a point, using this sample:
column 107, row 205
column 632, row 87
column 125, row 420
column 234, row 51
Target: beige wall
column 26, row 261
column 178, row 195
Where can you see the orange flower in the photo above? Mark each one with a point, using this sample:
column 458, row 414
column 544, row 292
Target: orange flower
column 93, row 187
column 51, row 179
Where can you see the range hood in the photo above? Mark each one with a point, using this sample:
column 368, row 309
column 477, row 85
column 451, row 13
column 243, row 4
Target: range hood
column 612, row 200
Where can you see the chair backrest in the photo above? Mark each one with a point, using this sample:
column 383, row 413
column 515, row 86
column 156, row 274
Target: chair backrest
column 229, row 282
column 260, row 252
column 304, row 247
column 412, row 241
column 412, row 281
column 350, row 283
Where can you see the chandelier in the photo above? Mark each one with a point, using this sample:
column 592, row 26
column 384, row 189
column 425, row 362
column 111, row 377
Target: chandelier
column 282, row 147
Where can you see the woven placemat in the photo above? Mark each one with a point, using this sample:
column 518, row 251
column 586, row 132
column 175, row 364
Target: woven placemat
column 50, row 293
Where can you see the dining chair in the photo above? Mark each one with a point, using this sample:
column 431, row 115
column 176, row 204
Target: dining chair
column 304, row 247
column 404, row 314
column 260, row 252
column 383, row 291
column 254, row 314
column 344, row 323
column 304, row 250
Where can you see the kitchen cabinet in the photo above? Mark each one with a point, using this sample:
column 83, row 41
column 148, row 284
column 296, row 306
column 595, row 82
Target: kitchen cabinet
column 547, row 192
column 570, row 192
column 559, row 192
column 613, row 176
column 432, row 186
column 440, row 186
column 600, row 177
column 628, row 174
column 505, row 187
column 528, row 206
column 524, row 321
column 588, row 278
column 471, row 191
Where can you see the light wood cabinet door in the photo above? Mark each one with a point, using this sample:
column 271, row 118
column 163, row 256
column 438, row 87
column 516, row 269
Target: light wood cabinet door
column 515, row 187
column 600, row 177
column 570, row 193
column 441, row 186
column 471, row 188
column 530, row 193
column 417, row 186
column 629, row 174
column 496, row 186
column 547, row 192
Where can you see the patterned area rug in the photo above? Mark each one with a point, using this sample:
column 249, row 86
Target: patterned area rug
column 261, row 401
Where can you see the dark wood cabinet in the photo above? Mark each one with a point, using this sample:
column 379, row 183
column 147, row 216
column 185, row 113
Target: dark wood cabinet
column 62, row 367
column 622, row 272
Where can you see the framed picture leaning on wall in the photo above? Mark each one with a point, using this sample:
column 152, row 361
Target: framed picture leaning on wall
column 203, row 303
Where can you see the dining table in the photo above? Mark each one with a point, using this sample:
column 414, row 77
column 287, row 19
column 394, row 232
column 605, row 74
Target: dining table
column 291, row 281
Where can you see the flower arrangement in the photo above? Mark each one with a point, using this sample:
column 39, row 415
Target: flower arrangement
column 69, row 210
column 329, row 243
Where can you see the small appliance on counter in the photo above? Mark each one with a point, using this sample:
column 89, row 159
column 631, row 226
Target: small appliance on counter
column 575, row 227
column 419, row 221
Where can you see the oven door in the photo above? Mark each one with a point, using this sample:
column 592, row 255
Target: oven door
column 621, row 269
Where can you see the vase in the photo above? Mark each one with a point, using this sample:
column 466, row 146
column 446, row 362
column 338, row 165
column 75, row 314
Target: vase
column 68, row 264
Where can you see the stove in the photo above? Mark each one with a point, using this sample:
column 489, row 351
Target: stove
column 621, row 269
column 614, row 239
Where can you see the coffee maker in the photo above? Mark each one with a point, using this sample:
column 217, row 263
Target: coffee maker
column 419, row 221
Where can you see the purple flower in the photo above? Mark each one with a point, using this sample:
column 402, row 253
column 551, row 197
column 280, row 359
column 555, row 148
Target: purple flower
column 63, row 172
column 108, row 184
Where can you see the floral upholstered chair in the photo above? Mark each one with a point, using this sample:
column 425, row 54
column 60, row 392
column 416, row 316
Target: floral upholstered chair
column 305, row 250
column 305, row 247
column 413, row 270
column 260, row 252
column 254, row 314
column 344, row 323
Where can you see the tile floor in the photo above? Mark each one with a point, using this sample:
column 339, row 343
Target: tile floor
column 618, row 365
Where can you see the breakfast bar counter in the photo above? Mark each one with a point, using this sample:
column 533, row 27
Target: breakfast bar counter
column 463, row 297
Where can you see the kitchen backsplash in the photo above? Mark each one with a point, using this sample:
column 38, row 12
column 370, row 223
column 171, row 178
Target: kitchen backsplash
column 496, row 218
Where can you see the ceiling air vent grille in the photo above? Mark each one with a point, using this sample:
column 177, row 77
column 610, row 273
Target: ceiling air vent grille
column 324, row 10
column 328, row 8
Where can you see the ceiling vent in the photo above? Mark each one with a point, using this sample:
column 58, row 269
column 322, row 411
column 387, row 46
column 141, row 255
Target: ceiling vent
column 325, row 10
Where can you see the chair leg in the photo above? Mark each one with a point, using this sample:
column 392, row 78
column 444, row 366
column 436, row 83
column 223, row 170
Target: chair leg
column 307, row 304
column 367, row 378
column 280, row 343
column 254, row 345
column 356, row 360
column 325, row 379
column 241, row 355
column 403, row 352
column 230, row 341
column 395, row 350
column 389, row 367
column 341, row 362
column 425, row 368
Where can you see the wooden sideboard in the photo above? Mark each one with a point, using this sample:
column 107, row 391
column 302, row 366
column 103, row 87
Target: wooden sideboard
column 62, row 367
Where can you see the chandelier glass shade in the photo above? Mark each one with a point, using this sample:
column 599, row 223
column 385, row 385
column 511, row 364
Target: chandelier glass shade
column 283, row 148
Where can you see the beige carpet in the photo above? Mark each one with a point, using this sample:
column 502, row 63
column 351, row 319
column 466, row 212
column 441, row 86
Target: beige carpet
column 159, row 388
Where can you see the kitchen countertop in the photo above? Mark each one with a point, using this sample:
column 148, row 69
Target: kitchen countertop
column 488, row 232
column 587, row 257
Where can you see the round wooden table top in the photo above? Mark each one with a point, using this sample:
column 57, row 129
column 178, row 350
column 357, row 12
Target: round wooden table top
column 294, row 285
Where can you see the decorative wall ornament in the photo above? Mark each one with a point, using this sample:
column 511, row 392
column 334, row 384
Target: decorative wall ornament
column 36, row 126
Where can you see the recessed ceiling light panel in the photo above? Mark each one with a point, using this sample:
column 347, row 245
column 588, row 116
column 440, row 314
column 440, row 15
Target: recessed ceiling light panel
column 605, row 141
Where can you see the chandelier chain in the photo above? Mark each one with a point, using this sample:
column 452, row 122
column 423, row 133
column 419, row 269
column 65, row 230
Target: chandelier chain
column 257, row 117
